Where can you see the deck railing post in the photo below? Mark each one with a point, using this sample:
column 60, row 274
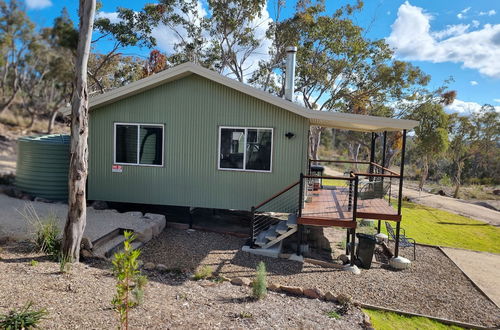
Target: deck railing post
column 349, row 201
column 301, row 201
column 354, row 216
column 400, row 196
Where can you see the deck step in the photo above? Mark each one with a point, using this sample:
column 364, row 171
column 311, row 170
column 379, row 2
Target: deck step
column 292, row 221
column 282, row 227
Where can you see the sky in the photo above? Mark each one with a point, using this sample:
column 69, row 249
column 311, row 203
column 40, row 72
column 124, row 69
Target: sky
column 458, row 39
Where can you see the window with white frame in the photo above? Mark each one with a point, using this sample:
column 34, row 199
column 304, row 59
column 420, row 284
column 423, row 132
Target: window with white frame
column 138, row 144
column 245, row 148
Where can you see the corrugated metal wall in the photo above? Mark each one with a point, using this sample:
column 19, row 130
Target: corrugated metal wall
column 192, row 109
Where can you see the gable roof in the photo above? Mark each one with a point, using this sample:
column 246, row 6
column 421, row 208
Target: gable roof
column 319, row 118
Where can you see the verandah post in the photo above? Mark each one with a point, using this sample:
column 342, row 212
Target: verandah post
column 354, row 216
column 384, row 147
column 299, row 226
column 400, row 196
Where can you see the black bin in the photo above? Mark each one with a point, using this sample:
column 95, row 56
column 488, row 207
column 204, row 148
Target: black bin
column 317, row 170
column 365, row 249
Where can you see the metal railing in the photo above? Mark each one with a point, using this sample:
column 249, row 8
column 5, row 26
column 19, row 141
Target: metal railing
column 275, row 209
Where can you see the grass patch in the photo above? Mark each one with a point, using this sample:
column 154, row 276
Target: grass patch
column 335, row 182
column 203, row 273
column 437, row 227
column 382, row 320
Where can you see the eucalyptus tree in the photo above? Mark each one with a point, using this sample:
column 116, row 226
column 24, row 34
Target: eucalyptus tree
column 16, row 37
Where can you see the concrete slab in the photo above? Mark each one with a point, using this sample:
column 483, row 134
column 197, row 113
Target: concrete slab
column 483, row 268
column 99, row 222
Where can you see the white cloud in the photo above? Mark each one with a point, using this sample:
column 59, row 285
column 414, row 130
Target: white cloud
column 496, row 100
column 461, row 14
column 451, row 30
column 488, row 13
column 465, row 108
column 412, row 39
column 474, row 83
column 475, row 23
column 38, row 4
column 113, row 16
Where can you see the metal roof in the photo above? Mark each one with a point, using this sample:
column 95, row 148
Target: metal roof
column 318, row 118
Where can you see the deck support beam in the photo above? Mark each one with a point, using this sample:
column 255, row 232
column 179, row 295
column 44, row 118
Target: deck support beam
column 400, row 196
column 300, row 227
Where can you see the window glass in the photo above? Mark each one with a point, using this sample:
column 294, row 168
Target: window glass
column 151, row 139
column 258, row 149
column 126, row 144
column 232, row 148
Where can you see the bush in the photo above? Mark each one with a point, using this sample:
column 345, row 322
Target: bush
column 260, row 283
column 22, row 319
column 46, row 236
column 203, row 273
column 130, row 282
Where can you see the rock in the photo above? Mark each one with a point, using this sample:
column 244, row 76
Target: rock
column 344, row 299
column 293, row 290
column 100, row 205
column 161, row 268
column 367, row 322
column 136, row 214
column 329, row 296
column 27, row 197
column 224, row 278
column 353, row 269
column 243, row 281
column 344, row 258
column 400, row 263
column 274, row 287
column 84, row 253
column 496, row 192
column 144, row 234
column 86, row 244
column 149, row 266
column 313, row 293
column 381, row 237
column 441, row 193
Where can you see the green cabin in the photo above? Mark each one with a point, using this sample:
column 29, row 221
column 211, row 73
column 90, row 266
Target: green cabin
column 190, row 137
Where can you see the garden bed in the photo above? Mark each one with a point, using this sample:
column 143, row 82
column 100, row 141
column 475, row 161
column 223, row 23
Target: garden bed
column 81, row 299
column 433, row 286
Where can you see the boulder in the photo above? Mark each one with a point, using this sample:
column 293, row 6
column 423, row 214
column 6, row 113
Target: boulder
column 344, row 258
column 100, row 205
column 344, row 299
column 329, row 296
column 85, row 254
column 293, row 290
column 400, row 263
column 149, row 266
column 86, row 244
column 161, row 268
column 274, row 287
column 243, row 281
column 313, row 293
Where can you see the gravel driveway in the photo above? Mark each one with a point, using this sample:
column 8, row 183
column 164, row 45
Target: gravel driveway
column 433, row 286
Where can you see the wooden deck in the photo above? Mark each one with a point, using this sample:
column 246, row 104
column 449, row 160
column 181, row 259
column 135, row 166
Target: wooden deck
column 329, row 207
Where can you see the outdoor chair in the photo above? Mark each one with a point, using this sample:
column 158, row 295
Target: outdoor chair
column 403, row 240
column 377, row 189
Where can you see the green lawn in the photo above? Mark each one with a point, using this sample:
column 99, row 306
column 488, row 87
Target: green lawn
column 433, row 226
column 392, row 321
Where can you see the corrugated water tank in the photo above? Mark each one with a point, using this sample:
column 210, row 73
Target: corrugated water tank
column 42, row 165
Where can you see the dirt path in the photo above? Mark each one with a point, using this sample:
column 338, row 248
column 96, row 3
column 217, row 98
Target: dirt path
column 453, row 205
column 481, row 267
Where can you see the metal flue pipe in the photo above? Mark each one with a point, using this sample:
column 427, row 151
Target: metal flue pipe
column 290, row 72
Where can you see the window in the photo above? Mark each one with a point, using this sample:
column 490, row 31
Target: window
column 245, row 149
column 139, row 144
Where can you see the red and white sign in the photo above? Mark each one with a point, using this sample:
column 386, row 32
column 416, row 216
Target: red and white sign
column 117, row 169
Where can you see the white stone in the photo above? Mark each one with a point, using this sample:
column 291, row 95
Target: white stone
column 295, row 257
column 353, row 269
column 381, row 237
column 399, row 263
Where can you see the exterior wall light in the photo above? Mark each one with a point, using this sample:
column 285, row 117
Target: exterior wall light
column 289, row 135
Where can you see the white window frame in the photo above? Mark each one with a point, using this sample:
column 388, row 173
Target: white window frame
column 245, row 128
column 139, row 144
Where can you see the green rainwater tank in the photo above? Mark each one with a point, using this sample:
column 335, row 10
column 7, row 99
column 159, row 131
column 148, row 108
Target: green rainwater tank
column 42, row 165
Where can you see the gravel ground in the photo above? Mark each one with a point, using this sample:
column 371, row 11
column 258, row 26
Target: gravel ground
column 433, row 286
column 81, row 299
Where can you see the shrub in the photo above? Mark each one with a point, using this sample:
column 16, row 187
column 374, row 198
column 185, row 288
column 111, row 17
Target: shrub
column 203, row 273
column 25, row 318
column 260, row 283
column 333, row 315
column 33, row 263
column 130, row 282
column 47, row 236
column 64, row 263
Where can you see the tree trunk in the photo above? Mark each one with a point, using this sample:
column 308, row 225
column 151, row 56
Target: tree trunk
column 77, row 208
column 52, row 119
column 314, row 141
column 425, row 172
column 458, row 179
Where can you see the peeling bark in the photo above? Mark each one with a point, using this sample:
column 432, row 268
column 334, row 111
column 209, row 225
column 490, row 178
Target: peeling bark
column 77, row 208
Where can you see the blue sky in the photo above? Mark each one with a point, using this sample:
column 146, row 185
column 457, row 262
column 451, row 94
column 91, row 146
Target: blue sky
column 445, row 38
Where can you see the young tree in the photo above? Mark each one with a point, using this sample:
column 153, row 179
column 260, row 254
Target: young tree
column 77, row 208
column 463, row 140
column 431, row 135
